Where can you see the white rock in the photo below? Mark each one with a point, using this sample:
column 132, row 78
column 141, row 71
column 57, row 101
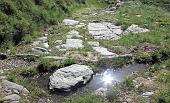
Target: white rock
column 103, row 51
column 135, row 29
column 36, row 43
column 46, row 45
column 70, row 22
column 94, row 43
column 147, row 94
column 68, row 77
column 39, row 49
column 55, row 58
column 73, row 32
column 46, row 34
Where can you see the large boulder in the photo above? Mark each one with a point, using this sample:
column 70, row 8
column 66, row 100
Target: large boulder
column 65, row 79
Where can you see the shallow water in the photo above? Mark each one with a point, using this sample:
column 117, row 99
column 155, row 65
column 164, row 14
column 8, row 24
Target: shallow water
column 104, row 79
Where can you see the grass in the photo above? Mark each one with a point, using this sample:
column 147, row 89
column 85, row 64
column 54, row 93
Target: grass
column 86, row 99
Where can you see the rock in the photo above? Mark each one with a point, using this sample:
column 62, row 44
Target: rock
column 71, row 44
column 14, row 86
column 135, row 29
column 142, row 83
column 46, row 34
column 42, row 39
column 94, row 43
column 104, row 52
column 46, row 45
column 36, row 43
column 39, row 49
column 80, row 25
column 69, row 77
column 13, row 98
column 3, row 56
column 147, row 94
column 70, row 22
column 55, row 58
column 42, row 101
column 59, row 41
column 101, row 92
column 73, row 33
column 104, row 30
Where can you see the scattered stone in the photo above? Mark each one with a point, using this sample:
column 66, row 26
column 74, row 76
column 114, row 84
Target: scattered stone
column 104, row 52
column 46, row 34
column 71, row 44
column 59, row 41
column 135, row 29
column 36, row 43
column 46, row 45
column 13, row 98
column 13, row 86
column 147, row 94
column 70, row 22
column 104, row 30
column 42, row 39
column 94, row 43
column 73, row 33
column 39, row 49
column 101, row 92
column 80, row 25
column 55, row 58
column 3, row 56
column 69, row 77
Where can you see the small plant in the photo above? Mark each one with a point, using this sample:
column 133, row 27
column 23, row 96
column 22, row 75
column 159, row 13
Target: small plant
column 113, row 94
column 128, row 83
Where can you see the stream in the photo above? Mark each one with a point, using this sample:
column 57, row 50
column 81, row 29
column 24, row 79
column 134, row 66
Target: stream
column 107, row 77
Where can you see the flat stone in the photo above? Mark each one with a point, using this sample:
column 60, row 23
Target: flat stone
column 103, row 51
column 14, row 86
column 147, row 94
column 70, row 22
column 135, row 29
column 71, row 44
column 11, row 98
column 80, row 25
column 94, row 43
column 69, row 77
column 42, row 39
column 73, row 33
column 104, row 30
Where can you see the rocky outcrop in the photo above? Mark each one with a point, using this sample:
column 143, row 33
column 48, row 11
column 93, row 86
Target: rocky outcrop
column 67, row 78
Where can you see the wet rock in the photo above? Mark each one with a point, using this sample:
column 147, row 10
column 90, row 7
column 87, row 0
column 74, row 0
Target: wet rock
column 70, row 22
column 71, row 44
column 135, row 29
column 104, row 52
column 42, row 39
column 69, row 77
column 13, row 86
column 147, row 94
column 104, row 30
column 13, row 98
column 94, row 43
column 39, row 49
column 101, row 92
column 3, row 56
